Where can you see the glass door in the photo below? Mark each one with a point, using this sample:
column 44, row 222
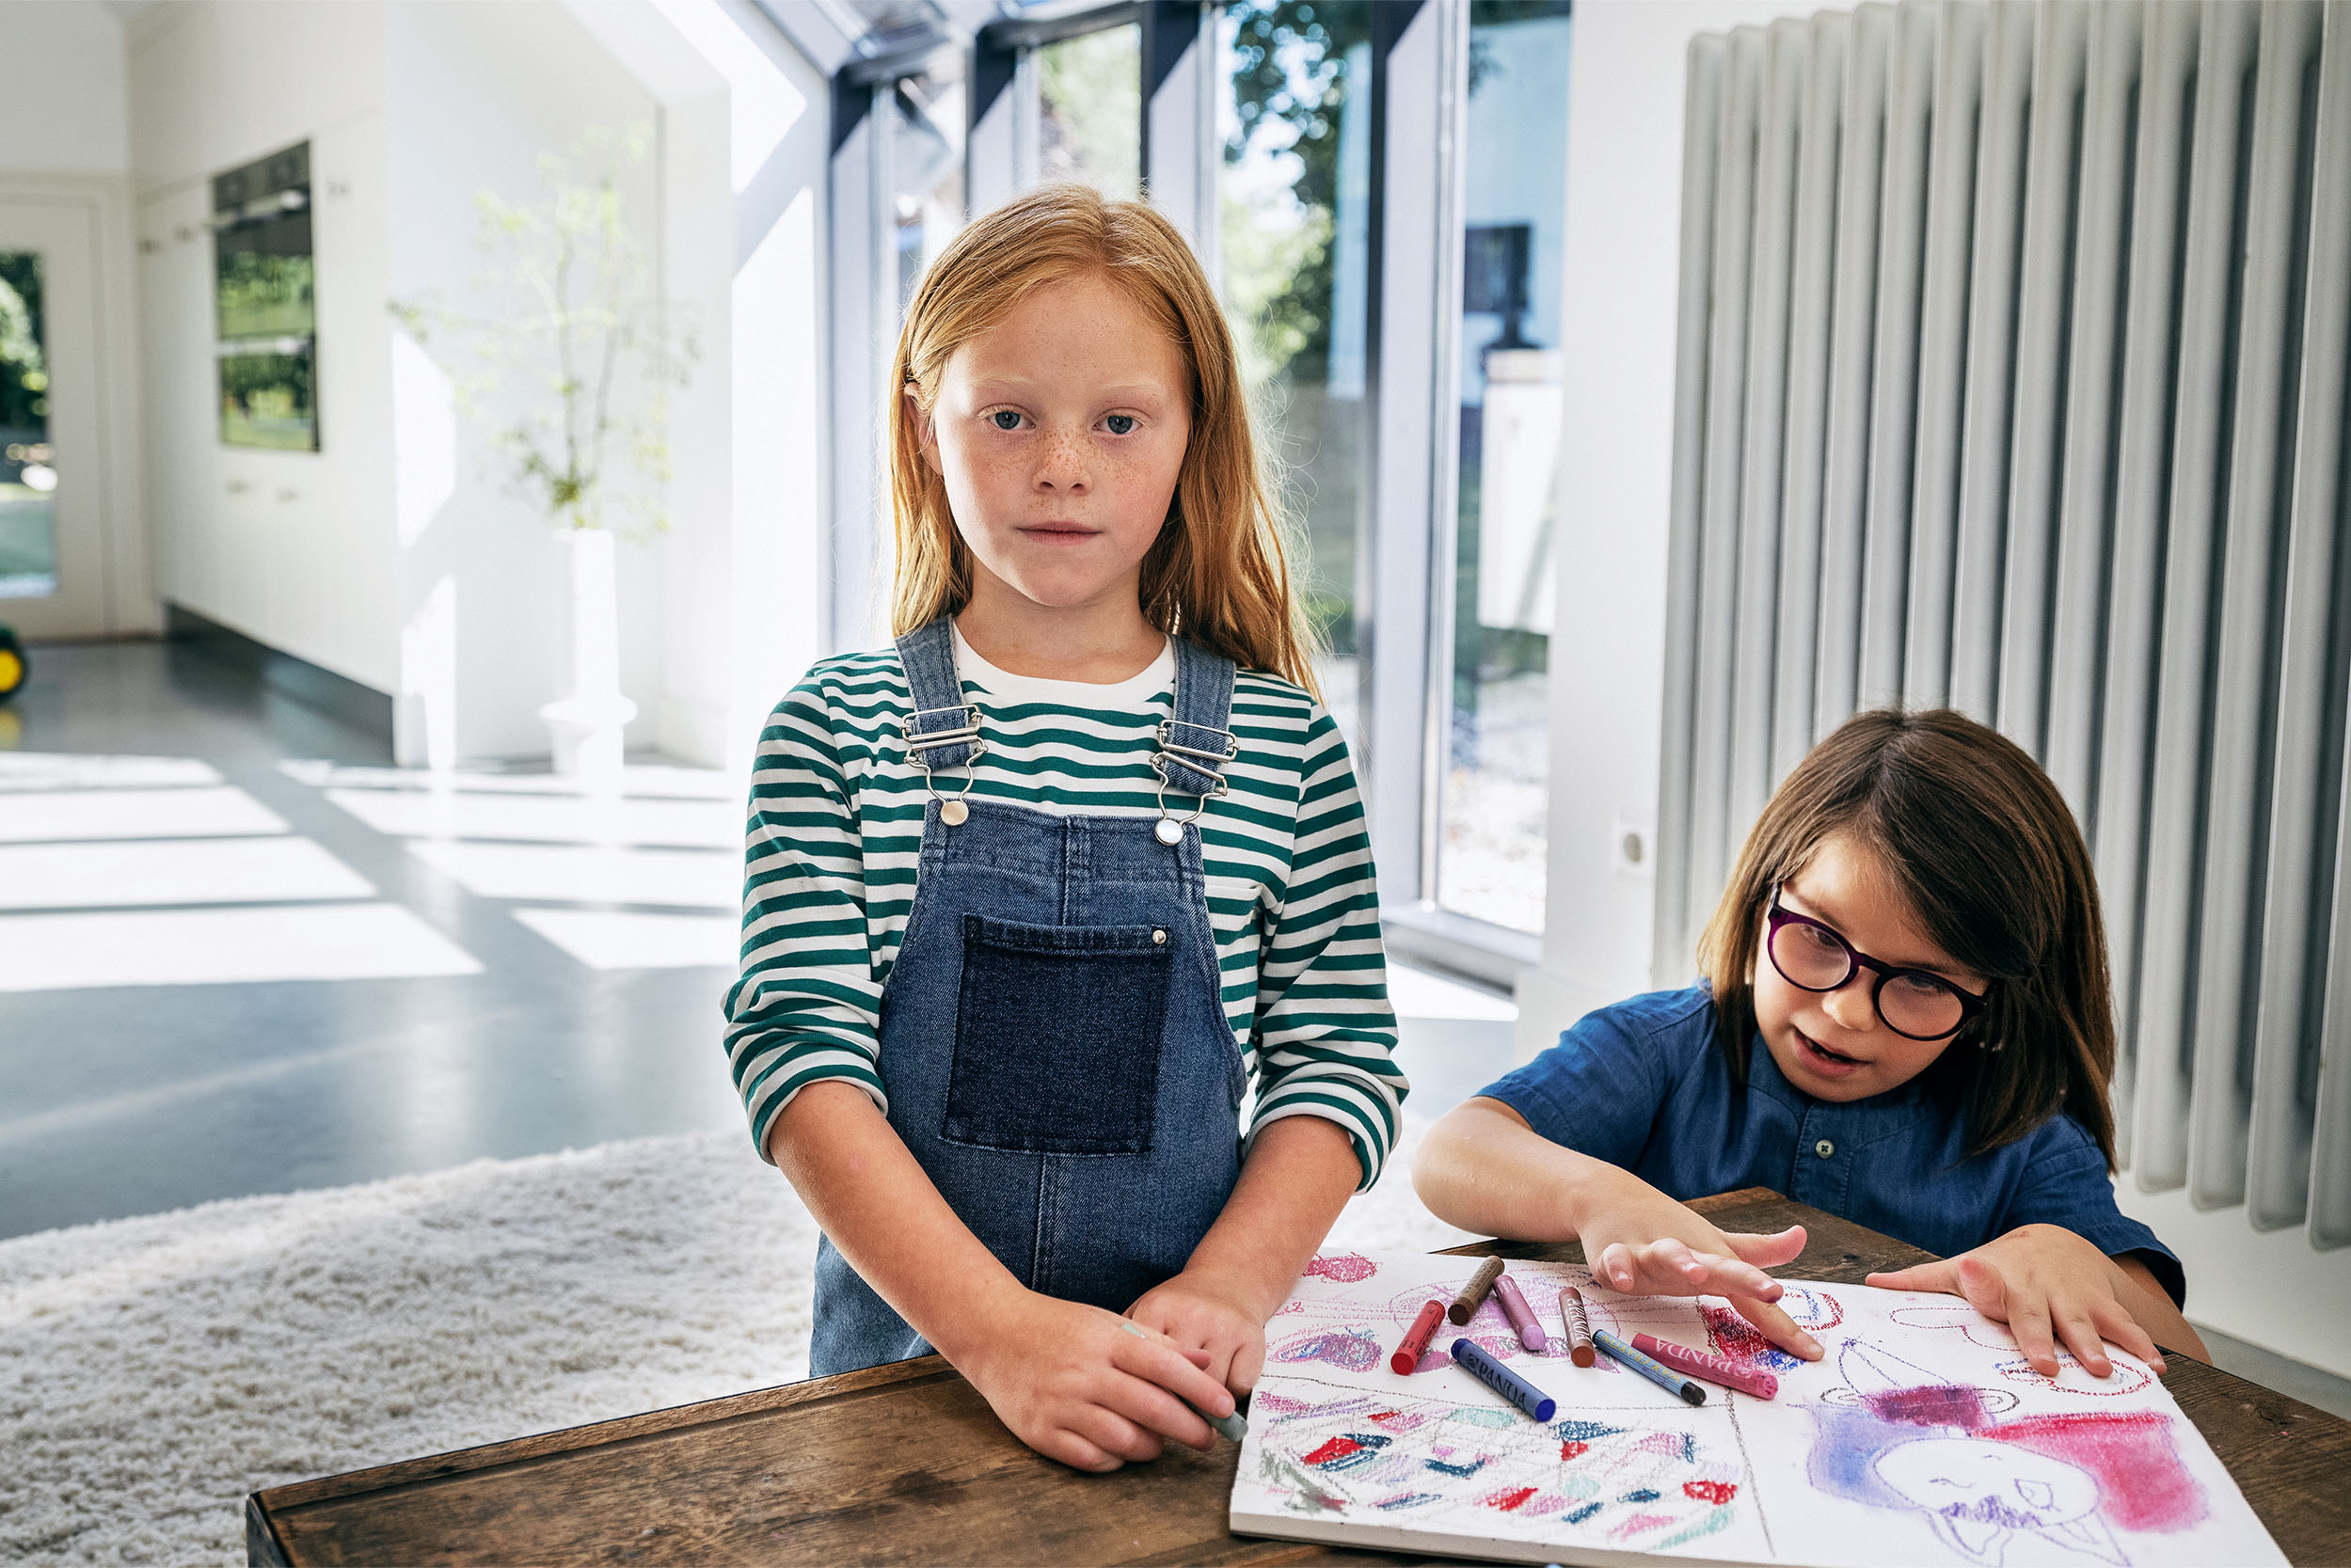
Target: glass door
column 53, row 512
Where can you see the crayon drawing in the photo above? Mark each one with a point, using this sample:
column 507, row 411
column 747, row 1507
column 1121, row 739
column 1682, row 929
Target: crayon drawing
column 1915, row 1439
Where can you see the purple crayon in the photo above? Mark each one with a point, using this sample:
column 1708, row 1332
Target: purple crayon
column 1515, row 1307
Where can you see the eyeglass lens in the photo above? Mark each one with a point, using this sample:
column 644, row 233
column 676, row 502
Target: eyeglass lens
column 1912, row 1002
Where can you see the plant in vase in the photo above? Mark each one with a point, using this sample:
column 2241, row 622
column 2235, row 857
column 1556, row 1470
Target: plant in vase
column 572, row 386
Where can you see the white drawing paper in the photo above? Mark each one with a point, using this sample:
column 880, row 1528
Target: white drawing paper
column 1921, row 1436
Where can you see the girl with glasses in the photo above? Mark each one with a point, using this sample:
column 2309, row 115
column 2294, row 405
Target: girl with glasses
column 1905, row 1021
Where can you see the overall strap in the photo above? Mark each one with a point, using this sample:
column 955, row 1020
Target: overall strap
column 943, row 729
column 1195, row 745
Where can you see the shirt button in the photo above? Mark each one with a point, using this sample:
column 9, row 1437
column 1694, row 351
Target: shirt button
column 1824, row 1149
column 1159, row 939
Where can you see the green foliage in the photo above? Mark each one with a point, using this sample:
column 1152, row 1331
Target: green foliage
column 590, row 327
column 1090, row 98
column 23, row 372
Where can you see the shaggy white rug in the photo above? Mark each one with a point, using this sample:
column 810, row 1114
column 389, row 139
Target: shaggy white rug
column 154, row 1371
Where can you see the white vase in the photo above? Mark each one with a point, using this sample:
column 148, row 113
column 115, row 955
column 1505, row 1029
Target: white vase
column 586, row 724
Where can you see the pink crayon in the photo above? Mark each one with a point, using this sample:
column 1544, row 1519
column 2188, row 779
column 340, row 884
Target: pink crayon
column 1515, row 1307
column 1714, row 1369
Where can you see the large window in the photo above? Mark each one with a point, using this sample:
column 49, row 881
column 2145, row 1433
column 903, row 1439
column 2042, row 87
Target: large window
column 1379, row 190
column 1490, row 863
column 1089, row 119
column 1294, row 198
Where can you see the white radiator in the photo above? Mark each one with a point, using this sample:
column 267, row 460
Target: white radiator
column 2013, row 349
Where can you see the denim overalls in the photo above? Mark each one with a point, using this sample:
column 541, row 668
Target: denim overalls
column 1054, row 1043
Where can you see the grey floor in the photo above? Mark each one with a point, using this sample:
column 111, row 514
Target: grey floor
column 135, row 1098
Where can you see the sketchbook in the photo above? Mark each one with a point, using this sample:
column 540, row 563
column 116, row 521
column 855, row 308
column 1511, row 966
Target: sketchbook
column 1921, row 1436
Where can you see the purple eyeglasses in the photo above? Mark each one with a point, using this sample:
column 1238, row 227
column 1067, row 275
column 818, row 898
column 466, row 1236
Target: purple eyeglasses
column 1915, row 1004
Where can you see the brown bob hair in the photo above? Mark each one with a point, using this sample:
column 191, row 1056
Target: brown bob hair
column 1217, row 573
column 1984, row 849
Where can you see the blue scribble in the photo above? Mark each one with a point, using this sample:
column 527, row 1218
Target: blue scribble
column 1470, row 1469
column 1406, row 1499
column 1640, row 1495
column 1577, row 1515
column 1583, row 1431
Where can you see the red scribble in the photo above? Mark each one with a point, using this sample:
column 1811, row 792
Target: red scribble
column 1734, row 1336
column 2141, row 1483
column 1510, row 1499
column 1337, row 1447
column 1937, row 1405
column 1346, row 1268
column 1571, row 1448
column 1710, row 1491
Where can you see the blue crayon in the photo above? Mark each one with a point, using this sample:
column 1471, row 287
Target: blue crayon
column 1656, row 1371
column 1509, row 1384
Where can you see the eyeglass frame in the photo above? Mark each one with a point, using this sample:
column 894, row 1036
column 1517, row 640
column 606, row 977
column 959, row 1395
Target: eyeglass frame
column 1777, row 916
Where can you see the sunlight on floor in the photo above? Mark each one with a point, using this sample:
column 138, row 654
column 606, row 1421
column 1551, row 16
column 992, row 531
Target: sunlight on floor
column 696, row 878
column 179, row 947
column 69, row 771
column 614, row 939
column 32, row 815
column 117, row 872
column 549, row 818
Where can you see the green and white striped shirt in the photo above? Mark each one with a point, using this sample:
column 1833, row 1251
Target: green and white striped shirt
column 835, row 836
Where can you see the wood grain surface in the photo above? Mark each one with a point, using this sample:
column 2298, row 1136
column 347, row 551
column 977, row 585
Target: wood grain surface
column 906, row 1464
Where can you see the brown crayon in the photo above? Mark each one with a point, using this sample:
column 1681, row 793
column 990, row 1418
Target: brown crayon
column 1578, row 1328
column 1416, row 1339
column 1466, row 1305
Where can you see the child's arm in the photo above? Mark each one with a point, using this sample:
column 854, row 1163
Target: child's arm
column 2048, row 1285
column 1066, row 1378
column 1299, row 1174
column 1483, row 1167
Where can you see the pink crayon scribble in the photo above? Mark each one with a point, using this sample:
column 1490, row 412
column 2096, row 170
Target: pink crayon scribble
column 1734, row 1337
column 1346, row 1268
column 1710, row 1491
column 1659, row 1442
column 1640, row 1522
column 1508, row 1502
column 1936, row 1404
column 2141, row 1483
column 1278, row 1404
column 1356, row 1353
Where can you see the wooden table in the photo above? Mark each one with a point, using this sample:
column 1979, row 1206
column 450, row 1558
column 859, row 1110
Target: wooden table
column 906, row 1464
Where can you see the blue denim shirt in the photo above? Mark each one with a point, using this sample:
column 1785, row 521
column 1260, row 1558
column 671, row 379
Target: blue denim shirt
column 1641, row 1086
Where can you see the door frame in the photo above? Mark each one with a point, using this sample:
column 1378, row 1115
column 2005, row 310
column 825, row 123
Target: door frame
column 117, row 477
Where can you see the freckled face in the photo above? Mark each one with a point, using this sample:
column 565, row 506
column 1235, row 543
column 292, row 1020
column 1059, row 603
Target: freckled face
column 1060, row 434
column 1831, row 1044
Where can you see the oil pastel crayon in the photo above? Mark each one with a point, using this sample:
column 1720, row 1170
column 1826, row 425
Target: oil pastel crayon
column 1235, row 1426
column 1714, row 1369
column 1472, row 1359
column 1578, row 1326
column 1663, row 1376
column 1416, row 1339
column 1466, row 1305
column 1515, row 1307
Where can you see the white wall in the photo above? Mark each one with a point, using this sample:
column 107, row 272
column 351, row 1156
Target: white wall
column 398, row 555
column 1624, row 179
column 66, row 107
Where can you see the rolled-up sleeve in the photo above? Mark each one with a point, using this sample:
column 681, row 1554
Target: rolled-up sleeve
column 2065, row 1183
column 1596, row 1092
column 807, row 1005
column 1324, row 1032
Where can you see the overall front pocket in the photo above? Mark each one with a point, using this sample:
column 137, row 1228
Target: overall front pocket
column 1057, row 1037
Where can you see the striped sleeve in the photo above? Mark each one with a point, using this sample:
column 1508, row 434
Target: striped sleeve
column 807, row 1005
column 1324, row 1032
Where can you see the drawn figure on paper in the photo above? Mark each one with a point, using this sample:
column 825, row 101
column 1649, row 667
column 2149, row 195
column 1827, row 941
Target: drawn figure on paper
column 1916, row 1442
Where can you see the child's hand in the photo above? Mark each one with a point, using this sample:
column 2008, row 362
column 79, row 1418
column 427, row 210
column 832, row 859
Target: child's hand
column 2038, row 1278
column 1079, row 1385
column 1642, row 1242
column 1200, row 1313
